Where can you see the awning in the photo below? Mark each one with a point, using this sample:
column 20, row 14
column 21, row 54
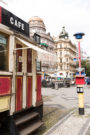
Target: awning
column 29, row 45
column 44, row 44
column 43, row 55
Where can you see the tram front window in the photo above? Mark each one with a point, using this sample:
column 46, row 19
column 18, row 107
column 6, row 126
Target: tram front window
column 3, row 53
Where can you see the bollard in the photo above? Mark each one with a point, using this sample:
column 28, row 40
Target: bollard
column 80, row 92
column 81, row 103
column 56, row 85
column 80, row 81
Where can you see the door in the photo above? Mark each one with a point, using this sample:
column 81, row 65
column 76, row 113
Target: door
column 19, row 78
column 29, row 78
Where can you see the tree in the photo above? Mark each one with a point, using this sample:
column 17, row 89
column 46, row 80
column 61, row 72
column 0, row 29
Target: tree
column 86, row 64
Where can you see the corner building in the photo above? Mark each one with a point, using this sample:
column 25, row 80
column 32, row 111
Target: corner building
column 66, row 52
column 37, row 26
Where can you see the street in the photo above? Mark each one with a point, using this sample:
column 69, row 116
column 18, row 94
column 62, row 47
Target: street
column 66, row 98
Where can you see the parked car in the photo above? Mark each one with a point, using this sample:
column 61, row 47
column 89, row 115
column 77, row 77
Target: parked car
column 46, row 83
column 67, row 82
column 52, row 81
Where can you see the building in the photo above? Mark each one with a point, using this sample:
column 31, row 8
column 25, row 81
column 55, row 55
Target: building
column 66, row 52
column 37, row 26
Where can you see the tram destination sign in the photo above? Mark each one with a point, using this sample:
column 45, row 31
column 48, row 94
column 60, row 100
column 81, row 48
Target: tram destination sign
column 13, row 22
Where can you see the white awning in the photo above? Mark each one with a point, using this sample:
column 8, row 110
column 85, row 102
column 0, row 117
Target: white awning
column 42, row 55
column 29, row 45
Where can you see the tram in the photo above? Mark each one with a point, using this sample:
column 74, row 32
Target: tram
column 20, row 71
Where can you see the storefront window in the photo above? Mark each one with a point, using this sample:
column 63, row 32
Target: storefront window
column 3, row 53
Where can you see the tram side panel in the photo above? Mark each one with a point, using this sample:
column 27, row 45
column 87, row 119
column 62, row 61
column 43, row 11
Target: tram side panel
column 29, row 92
column 5, row 92
column 39, row 101
column 18, row 93
column 39, row 97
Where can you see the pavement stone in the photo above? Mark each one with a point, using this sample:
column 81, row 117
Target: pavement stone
column 71, row 124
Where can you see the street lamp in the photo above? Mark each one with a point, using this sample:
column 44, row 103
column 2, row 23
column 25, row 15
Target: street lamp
column 78, row 37
column 80, row 80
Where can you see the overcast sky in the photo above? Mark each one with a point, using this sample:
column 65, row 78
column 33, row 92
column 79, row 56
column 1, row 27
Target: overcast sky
column 73, row 14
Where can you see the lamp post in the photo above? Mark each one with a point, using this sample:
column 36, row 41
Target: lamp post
column 80, row 80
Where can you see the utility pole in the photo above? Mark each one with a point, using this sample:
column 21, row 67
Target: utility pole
column 80, row 79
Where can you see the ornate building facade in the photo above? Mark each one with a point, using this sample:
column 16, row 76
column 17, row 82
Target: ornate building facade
column 37, row 26
column 66, row 52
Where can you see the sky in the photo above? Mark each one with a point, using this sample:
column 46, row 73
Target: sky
column 73, row 14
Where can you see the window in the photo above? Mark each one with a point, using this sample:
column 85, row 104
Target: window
column 18, row 58
column 38, row 66
column 67, row 67
column 3, row 53
column 29, row 60
column 60, row 53
column 36, row 38
column 60, row 45
column 60, row 60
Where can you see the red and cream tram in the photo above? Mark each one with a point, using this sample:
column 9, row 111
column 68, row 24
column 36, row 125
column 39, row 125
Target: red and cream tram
column 20, row 83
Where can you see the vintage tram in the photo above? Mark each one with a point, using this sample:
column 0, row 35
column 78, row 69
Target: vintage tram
column 20, row 75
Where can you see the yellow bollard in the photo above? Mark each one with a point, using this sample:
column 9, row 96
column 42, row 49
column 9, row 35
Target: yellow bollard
column 81, row 103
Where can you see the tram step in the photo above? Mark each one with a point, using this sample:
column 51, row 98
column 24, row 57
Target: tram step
column 25, row 118
column 27, row 122
column 31, row 128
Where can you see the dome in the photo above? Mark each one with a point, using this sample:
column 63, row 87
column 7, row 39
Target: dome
column 63, row 34
column 35, row 18
column 37, row 22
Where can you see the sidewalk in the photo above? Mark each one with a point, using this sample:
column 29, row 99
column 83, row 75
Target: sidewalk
column 72, row 124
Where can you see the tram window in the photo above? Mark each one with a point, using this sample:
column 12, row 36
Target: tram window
column 38, row 66
column 19, row 59
column 3, row 53
column 29, row 60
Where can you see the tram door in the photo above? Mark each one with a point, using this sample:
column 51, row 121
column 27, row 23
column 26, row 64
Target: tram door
column 19, row 78
column 29, row 78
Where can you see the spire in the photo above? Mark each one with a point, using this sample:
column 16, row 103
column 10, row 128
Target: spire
column 63, row 34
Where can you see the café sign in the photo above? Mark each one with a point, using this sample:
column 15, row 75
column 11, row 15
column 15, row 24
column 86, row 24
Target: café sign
column 13, row 22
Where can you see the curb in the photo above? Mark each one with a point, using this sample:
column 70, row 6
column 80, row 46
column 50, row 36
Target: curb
column 62, row 119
